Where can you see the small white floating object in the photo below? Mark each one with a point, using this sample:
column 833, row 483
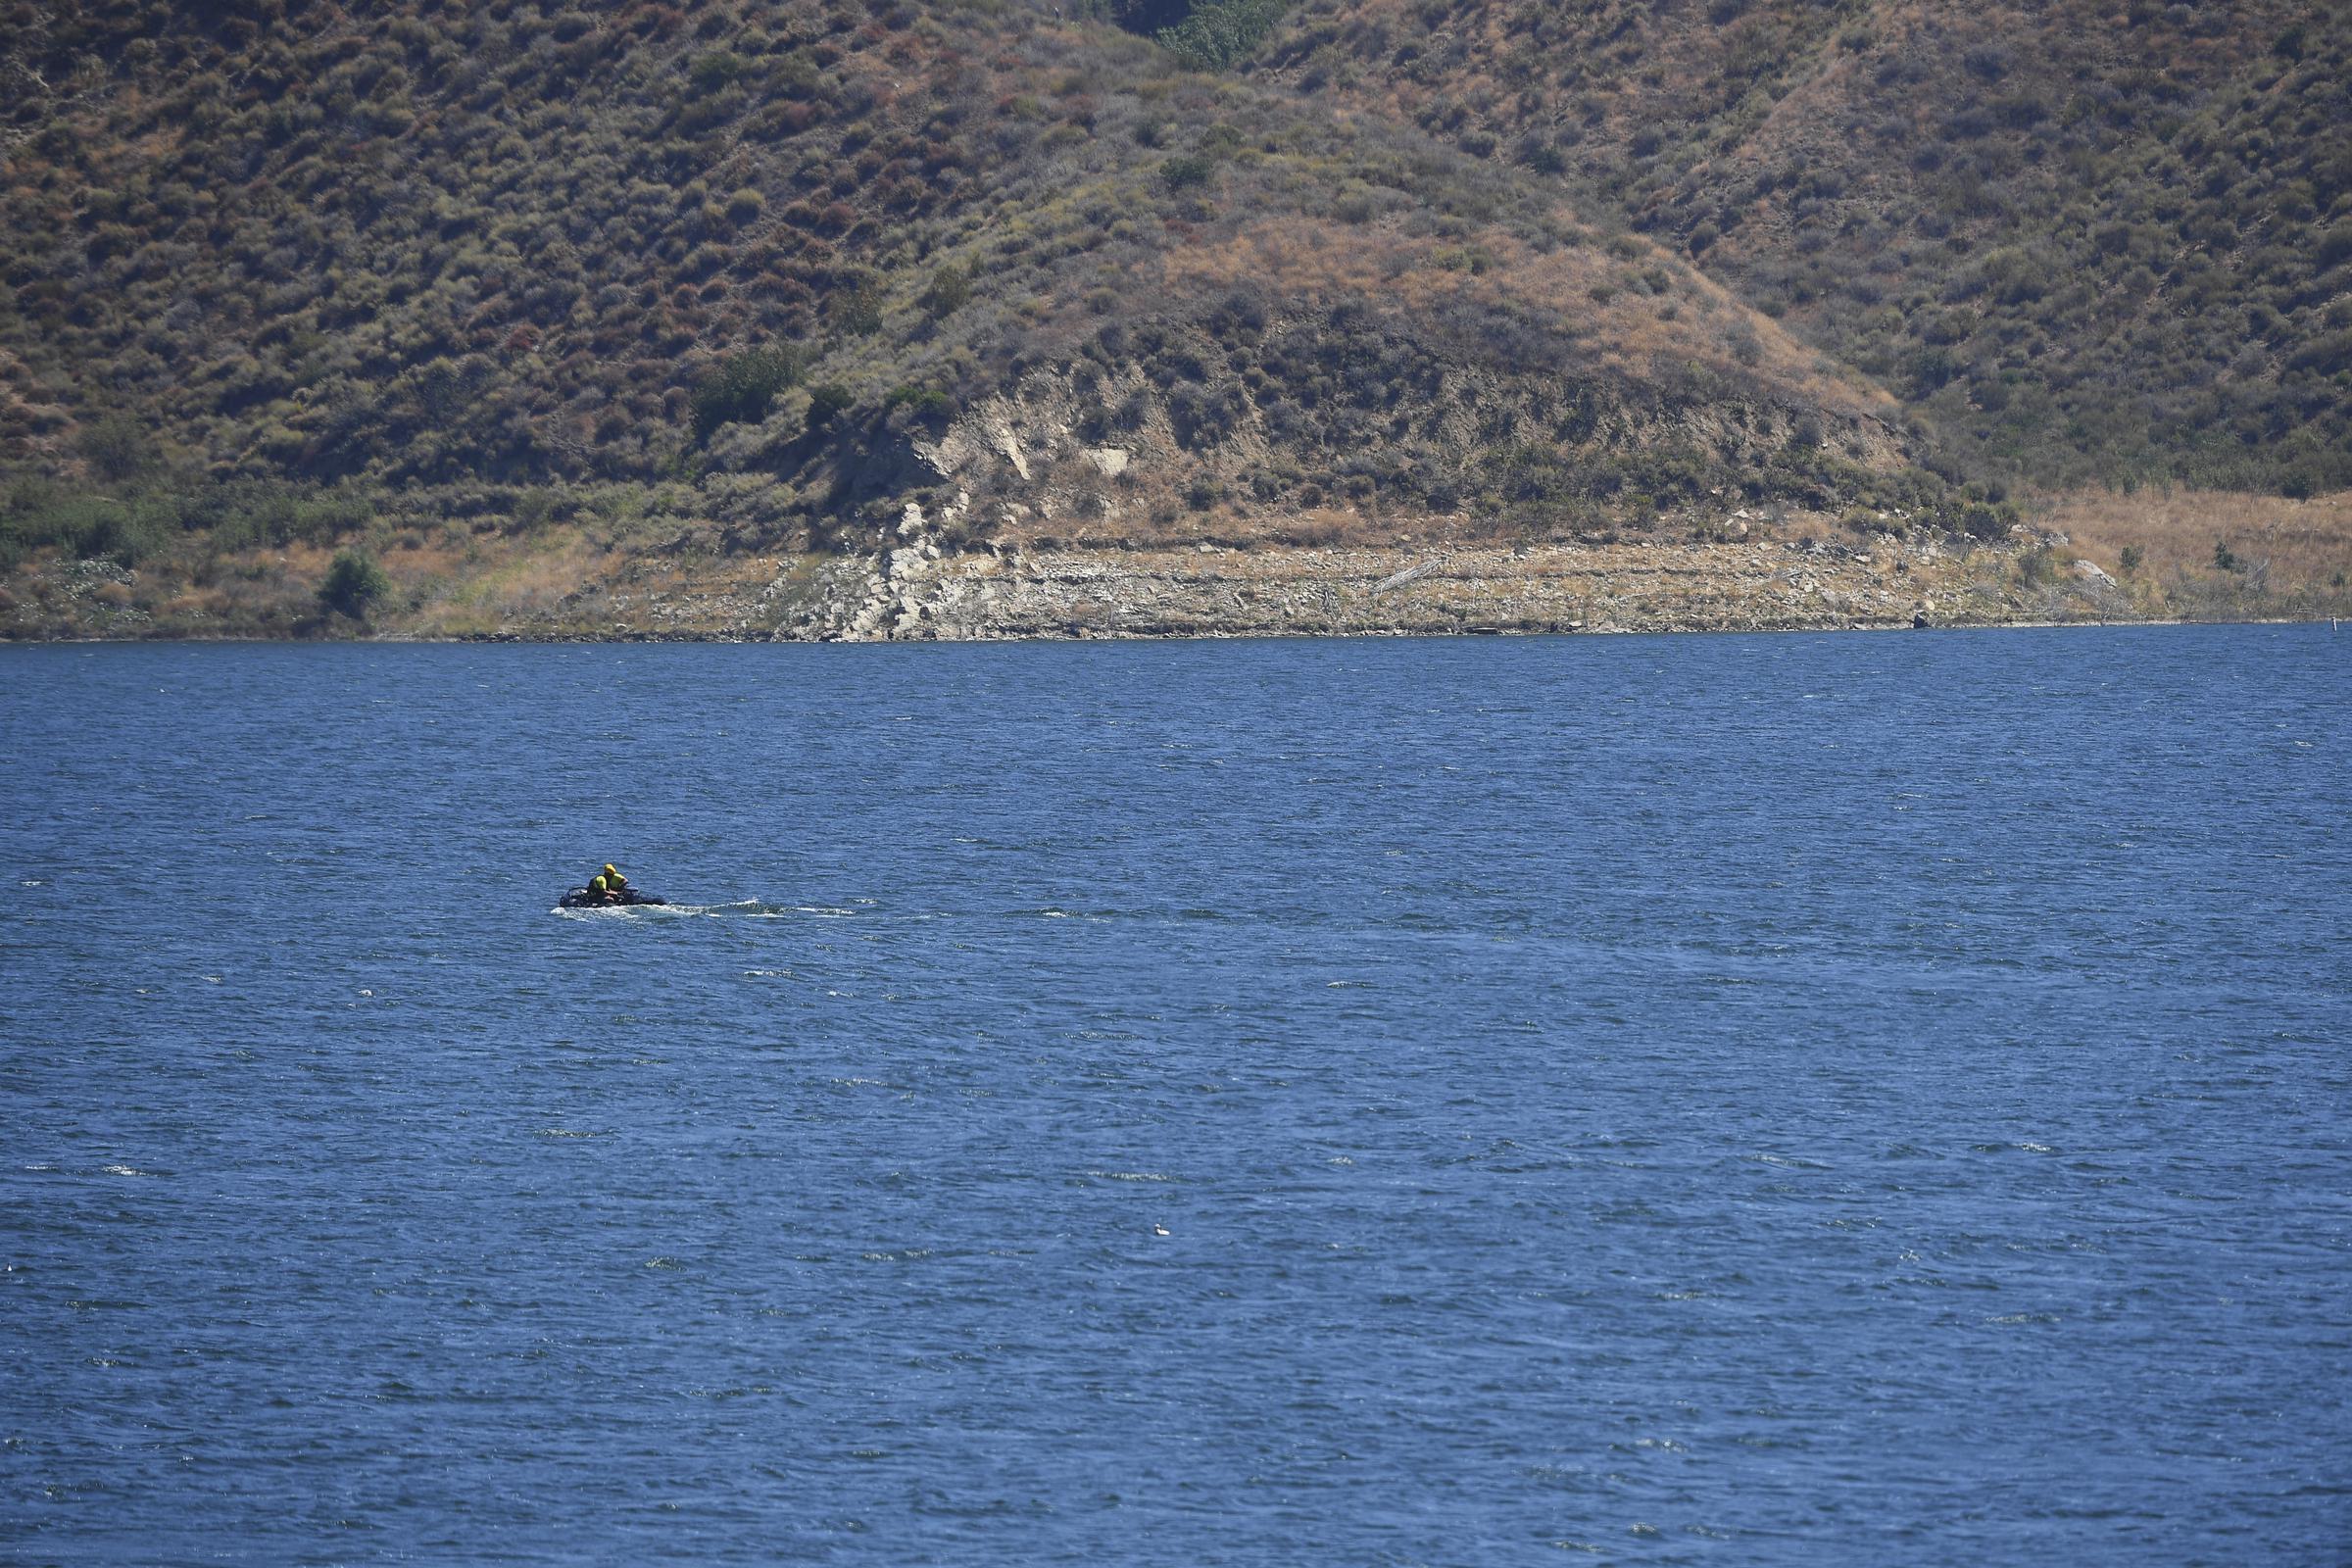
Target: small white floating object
column 1160, row 1230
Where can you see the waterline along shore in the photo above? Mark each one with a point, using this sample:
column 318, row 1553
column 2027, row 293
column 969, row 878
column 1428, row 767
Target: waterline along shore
column 566, row 585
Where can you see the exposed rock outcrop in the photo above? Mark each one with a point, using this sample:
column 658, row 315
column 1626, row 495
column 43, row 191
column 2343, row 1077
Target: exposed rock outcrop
column 1212, row 591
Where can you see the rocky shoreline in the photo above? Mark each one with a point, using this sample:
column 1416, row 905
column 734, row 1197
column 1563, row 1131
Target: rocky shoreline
column 1205, row 590
column 916, row 592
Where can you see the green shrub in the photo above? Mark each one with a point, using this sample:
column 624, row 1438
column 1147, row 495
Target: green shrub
column 38, row 515
column 532, row 510
column 1980, row 522
column 950, row 291
column 739, row 388
column 1218, row 35
column 826, row 399
column 858, row 309
column 2324, row 355
column 265, row 513
column 353, row 583
column 1186, row 171
column 117, row 448
column 710, row 72
column 927, row 403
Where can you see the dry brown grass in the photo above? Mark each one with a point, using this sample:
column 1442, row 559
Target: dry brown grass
column 1582, row 285
column 1294, row 256
column 2305, row 545
column 527, row 580
column 193, row 605
column 267, row 605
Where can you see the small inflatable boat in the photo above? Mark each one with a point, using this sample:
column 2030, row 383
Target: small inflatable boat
column 582, row 898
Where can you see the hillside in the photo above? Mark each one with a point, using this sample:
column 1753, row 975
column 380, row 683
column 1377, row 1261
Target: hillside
column 518, row 248
column 584, row 296
column 2085, row 243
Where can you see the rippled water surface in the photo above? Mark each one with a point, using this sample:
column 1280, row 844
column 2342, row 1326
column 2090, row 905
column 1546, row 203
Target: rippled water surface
column 1796, row 1100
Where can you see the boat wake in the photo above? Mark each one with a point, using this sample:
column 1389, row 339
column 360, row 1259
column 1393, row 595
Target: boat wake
column 739, row 909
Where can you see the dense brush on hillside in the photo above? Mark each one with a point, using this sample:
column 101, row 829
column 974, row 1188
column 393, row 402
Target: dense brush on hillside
column 2088, row 242
column 752, row 263
column 766, row 277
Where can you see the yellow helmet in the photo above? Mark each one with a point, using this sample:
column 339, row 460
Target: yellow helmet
column 608, row 871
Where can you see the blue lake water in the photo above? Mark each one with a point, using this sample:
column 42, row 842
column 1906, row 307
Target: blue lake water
column 1716, row 1099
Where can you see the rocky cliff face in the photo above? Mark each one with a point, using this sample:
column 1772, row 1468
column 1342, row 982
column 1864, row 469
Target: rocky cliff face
column 913, row 593
column 1112, row 452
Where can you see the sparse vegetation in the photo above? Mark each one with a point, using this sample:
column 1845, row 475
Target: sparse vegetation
column 702, row 279
column 2080, row 264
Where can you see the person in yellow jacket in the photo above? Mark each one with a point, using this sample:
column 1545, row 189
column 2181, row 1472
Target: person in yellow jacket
column 606, row 887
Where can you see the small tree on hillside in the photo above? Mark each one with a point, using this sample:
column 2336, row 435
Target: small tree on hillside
column 950, row 291
column 741, row 386
column 352, row 583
